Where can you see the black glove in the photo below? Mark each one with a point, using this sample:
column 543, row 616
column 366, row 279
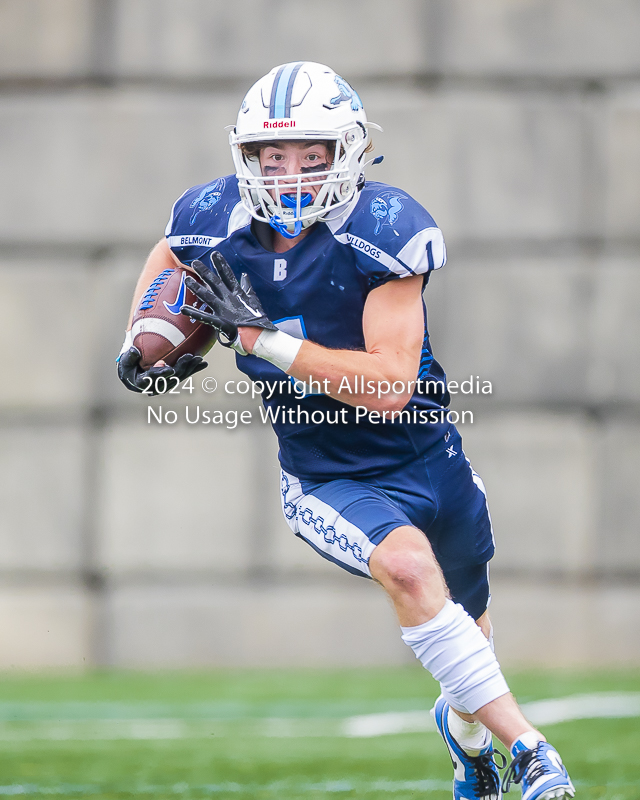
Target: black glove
column 137, row 379
column 234, row 304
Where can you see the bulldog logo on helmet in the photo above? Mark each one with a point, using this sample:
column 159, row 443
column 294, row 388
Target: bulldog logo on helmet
column 346, row 93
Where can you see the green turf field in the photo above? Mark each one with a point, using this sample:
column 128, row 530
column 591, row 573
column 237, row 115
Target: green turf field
column 266, row 735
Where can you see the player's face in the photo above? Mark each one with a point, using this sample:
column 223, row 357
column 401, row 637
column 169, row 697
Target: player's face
column 296, row 158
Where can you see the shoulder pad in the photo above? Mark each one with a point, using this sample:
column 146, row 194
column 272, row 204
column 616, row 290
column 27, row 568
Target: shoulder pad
column 391, row 228
column 204, row 210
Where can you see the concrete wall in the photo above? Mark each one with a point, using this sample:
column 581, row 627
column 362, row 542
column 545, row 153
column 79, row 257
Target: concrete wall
column 516, row 123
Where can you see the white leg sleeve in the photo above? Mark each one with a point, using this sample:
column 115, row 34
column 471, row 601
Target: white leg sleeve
column 452, row 700
column 456, row 652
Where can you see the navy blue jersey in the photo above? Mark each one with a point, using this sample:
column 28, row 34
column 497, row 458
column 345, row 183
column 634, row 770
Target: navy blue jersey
column 318, row 290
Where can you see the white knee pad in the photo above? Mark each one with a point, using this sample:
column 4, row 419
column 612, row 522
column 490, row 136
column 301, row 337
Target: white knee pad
column 458, row 655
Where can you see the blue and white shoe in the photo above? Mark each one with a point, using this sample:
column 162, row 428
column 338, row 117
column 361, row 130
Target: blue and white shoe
column 475, row 777
column 540, row 771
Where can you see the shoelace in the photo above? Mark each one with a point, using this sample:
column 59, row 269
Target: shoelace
column 488, row 782
column 525, row 762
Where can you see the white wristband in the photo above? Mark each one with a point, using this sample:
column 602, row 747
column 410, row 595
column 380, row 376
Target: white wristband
column 277, row 347
column 127, row 344
column 237, row 346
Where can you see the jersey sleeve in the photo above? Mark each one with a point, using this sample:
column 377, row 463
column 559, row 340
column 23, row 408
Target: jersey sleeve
column 204, row 216
column 393, row 236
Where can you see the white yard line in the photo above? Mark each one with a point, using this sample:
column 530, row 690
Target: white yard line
column 56, row 726
column 539, row 712
column 366, row 725
column 583, row 706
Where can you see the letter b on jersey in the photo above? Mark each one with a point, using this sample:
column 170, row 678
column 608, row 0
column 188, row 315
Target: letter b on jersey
column 279, row 269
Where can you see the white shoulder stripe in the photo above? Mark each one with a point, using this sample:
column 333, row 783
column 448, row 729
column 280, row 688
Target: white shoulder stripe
column 424, row 251
column 373, row 252
column 238, row 218
column 167, row 230
column 159, row 326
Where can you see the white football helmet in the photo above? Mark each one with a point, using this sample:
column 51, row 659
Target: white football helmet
column 300, row 101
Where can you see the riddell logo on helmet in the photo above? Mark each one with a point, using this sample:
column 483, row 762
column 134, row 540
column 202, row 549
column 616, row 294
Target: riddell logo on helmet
column 282, row 123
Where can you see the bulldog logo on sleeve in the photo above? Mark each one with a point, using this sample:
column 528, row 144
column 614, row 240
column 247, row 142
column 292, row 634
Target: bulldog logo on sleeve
column 386, row 208
column 207, row 198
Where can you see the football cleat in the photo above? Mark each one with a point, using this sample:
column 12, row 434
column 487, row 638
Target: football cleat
column 540, row 771
column 475, row 777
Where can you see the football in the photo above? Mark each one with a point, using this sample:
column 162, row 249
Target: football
column 160, row 331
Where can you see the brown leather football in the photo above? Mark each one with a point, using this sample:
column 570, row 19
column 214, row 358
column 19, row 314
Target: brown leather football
column 160, row 331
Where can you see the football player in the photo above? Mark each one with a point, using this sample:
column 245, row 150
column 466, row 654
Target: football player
column 315, row 277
